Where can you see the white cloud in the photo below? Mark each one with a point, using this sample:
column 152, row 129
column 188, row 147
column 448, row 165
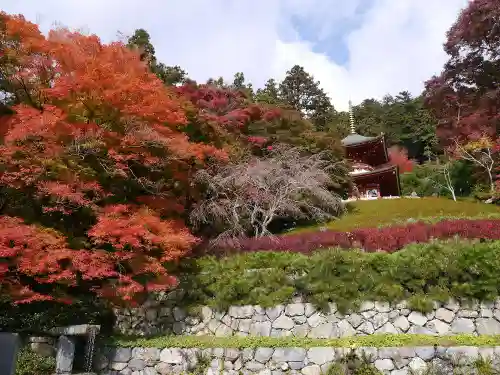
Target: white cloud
column 397, row 46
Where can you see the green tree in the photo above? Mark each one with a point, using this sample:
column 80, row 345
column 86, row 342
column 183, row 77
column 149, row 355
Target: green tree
column 409, row 124
column 219, row 82
column 439, row 177
column 369, row 117
column 240, row 84
column 170, row 75
column 141, row 40
column 302, row 92
column 269, row 94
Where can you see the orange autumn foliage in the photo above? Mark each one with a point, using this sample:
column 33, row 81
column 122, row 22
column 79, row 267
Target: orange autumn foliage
column 92, row 127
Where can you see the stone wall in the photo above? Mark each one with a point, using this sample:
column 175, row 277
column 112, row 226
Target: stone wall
column 281, row 361
column 304, row 320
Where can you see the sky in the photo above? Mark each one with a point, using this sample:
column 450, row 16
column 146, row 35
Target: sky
column 357, row 49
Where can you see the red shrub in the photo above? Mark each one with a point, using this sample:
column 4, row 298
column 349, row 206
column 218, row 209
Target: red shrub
column 387, row 239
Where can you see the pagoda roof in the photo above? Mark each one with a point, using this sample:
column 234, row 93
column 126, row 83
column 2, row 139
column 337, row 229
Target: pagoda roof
column 378, row 170
column 356, row 139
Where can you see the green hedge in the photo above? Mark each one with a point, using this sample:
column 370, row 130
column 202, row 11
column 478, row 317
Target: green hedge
column 420, row 274
column 379, row 341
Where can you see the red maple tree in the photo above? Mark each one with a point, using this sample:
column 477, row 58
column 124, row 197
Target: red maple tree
column 465, row 98
column 95, row 149
column 223, row 116
column 399, row 156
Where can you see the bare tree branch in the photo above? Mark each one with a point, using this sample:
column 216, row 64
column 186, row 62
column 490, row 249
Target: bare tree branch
column 247, row 197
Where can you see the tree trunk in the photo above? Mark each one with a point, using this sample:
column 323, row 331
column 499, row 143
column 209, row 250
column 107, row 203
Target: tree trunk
column 453, row 194
column 492, row 183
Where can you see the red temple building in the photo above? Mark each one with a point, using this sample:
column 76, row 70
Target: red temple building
column 372, row 174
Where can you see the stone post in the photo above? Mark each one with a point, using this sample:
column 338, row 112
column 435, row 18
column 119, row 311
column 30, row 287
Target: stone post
column 65, row 355
column 9, row 346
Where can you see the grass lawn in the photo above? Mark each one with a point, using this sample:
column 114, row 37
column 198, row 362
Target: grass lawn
column 378, row 340
column 382, row 212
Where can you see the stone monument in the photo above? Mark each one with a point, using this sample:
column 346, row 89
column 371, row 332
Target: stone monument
column 67, row 346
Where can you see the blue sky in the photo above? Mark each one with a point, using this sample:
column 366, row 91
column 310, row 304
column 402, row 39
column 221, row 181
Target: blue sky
column 355, row 48
column 332, row 42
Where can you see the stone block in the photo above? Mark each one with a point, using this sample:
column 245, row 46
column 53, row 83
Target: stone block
column 171, row 356
column 309, row 309
column 295, row 309
column 283, row 322
column 402, row 324
column 323, row 331
column 355, row 320
column 417, row 318
column 463, row 325
column 118, row 366
column 379, row 320
column 311, row 370
column 260, row 329
column 417, row 365
column 488, row 326
column 438, row 326
column 425, row 352
column 384, row 365
column 321, row 355
column 382, row 307
column 137, row 364
column 289, row 355
column 387, row 328
column 366, row 328
column 274, row 312
column 121, row 355
column 262, row 355
column 345, row 329
column 316, row 319
column 241, row 312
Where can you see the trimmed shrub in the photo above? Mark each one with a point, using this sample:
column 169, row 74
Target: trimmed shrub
column 387, row 239
column 420, row 273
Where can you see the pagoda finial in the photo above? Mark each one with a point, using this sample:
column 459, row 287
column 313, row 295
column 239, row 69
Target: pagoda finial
column 351, row 118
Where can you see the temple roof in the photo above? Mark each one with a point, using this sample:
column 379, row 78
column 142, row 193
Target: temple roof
column 378, row 170
column 356, row 139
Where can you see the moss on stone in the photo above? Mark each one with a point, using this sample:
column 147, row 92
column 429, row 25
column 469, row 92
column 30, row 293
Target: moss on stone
column 399, row 340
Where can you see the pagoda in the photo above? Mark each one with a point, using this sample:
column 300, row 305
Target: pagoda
column 372, row 174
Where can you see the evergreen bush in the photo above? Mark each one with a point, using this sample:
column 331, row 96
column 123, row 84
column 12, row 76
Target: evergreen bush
column 420, row 274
